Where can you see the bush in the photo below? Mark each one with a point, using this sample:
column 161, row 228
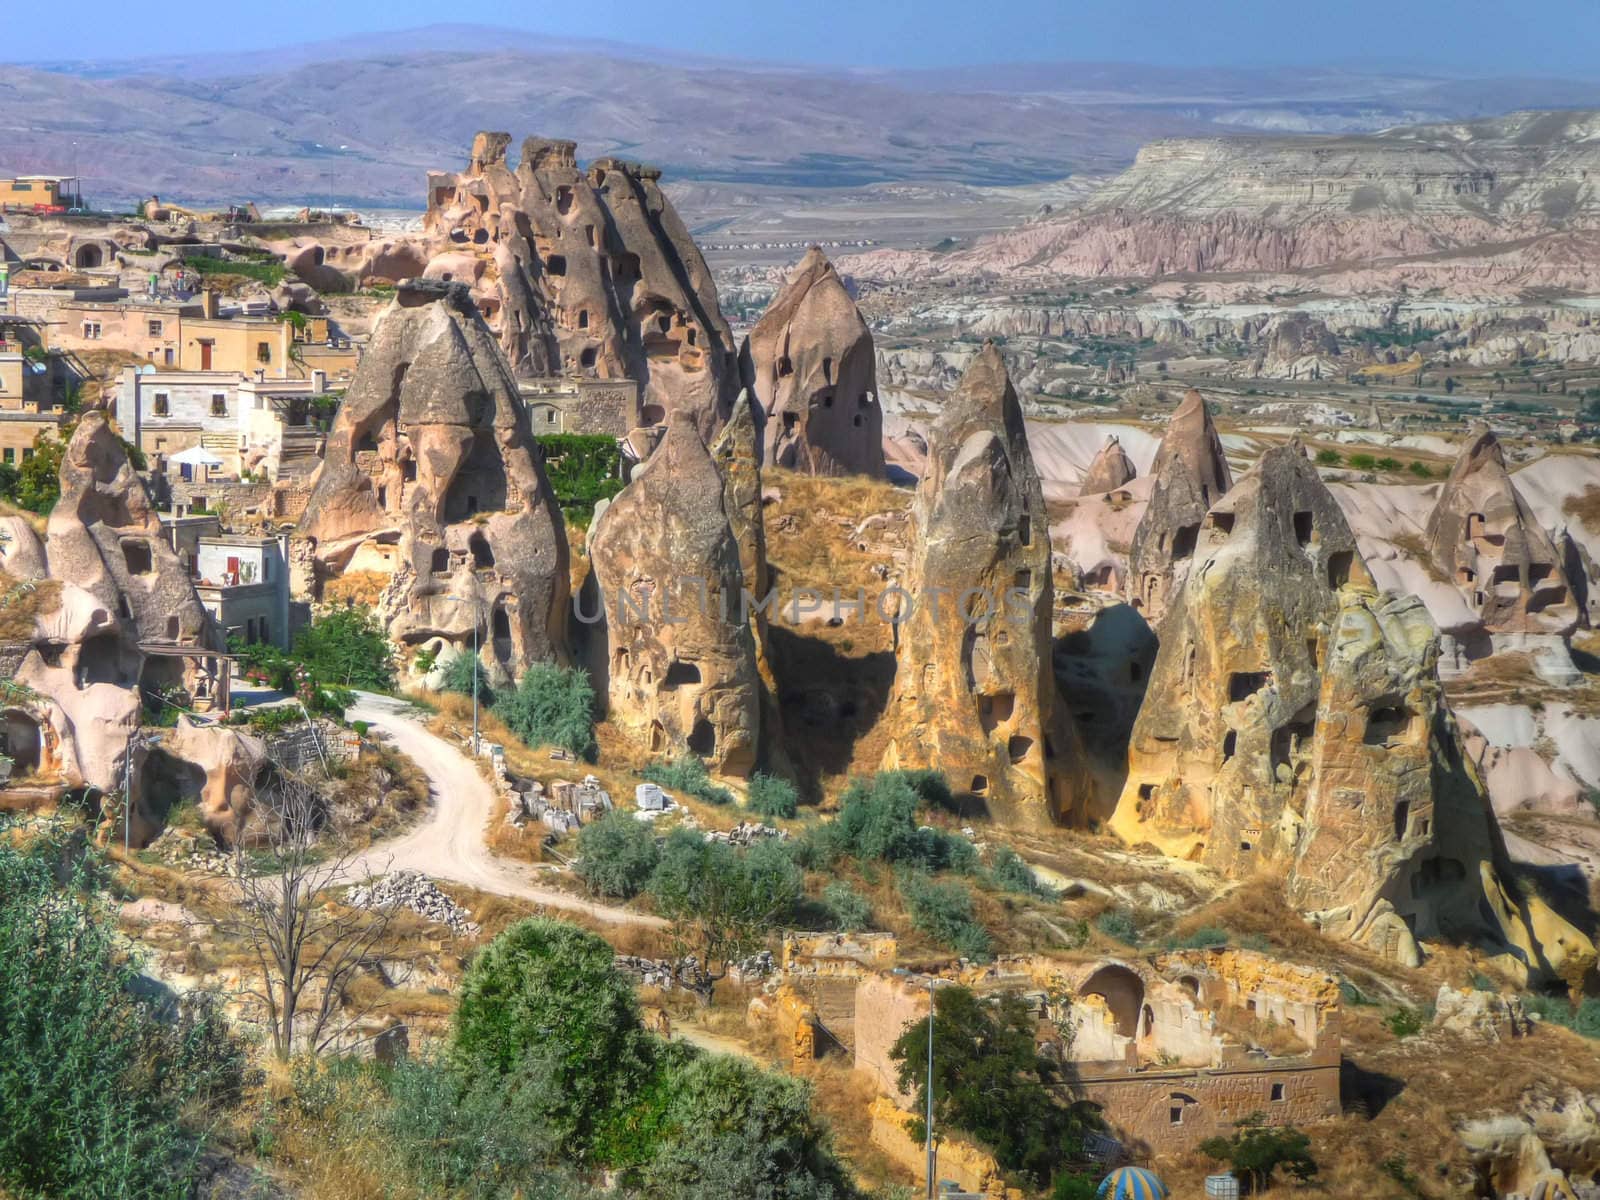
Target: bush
column 1363, row 462
column 617, row 855
column 1257, row 1150
column 583, row 469
column 348, row 648
column 1404, row 1022
column 1388, row 464
column 99, row 1097
column 942, row 909
column 552, row 706
column 261, row 270
column 1069, row 1185
column 732, row 1129
column 850, row 909
column 1009, row 873
column 878, row 821
column 1328, row 458
column 1584, row 1019
column 1118, row 924
column 546, row 996
column 463, row 674
column 1207, row 937
column 773, row 797
column 687, row 776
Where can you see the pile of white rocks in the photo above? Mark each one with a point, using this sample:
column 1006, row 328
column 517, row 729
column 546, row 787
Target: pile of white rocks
column 415, row 891
column 746, row 833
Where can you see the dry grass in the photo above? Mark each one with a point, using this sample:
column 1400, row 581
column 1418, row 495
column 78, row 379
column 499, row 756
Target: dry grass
column 355, row 587
column 842, row 1096
column 1415, row 548
column 21, row 604
column 1584, row 507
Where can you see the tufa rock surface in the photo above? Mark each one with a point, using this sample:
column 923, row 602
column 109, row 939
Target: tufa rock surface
column 675, row 658
column 586, row 272
column 432, row 479
column 1295, row 724
column 811, row 364
column 1111, row 469
column 974, row 693
column 1483, row 536
column 1191, row 474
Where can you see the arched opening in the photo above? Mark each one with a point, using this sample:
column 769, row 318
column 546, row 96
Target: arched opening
column 1123, row 993
column 24, row 741
column 703, row 738
column 1191, row 984
column 680, row 673
column 89, row 258
column 482, row 556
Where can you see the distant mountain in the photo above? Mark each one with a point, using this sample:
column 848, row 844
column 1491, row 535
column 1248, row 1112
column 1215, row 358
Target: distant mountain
column 360, row 121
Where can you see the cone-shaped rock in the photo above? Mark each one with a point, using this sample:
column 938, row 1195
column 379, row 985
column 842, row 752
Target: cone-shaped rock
column 1398, row 841
column 1111, row 469
column 1191, row 474
column 680, row 665
column 587, row 272
column 811, row 364
column 1485, row 538
column 432, row 478
column 973, row 692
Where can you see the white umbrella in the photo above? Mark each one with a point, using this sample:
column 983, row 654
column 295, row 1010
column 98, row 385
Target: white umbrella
column 195, row 456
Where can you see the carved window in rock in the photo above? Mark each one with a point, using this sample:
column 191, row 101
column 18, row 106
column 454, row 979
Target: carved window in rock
column 1388, row 724
column 702, row 738
column 1339, row 567
column 1183, row 542
column 556, row 264
column 136, row 555
column 680, row 673
column 1220, row 524
column 1303, row 528
column 482, row 555
column 440, row 563
column 1244, row 684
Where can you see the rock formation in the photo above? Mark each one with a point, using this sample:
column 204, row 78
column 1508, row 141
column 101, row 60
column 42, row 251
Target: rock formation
column 811, row 363
column 973, row 693
column 1111, row 469
column 679, row 662
column 1191, row 474
column 432, row 479
column 103, row 616
column 1294, row 723
column 588, row 273
column 737, row 453
column 1483, row 536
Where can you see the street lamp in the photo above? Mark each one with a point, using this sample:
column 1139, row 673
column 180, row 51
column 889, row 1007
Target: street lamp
column 460, row 600
column 932, row 1153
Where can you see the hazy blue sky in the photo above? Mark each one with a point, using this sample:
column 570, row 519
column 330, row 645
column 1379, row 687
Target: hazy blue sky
column 1534, row 37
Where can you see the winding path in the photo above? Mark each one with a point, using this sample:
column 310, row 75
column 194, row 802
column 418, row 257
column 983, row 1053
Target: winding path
column 449, row 844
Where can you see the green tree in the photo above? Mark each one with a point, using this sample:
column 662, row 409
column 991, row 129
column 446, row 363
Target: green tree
column 1363, row 462
column 552, row 706
column 617, row 855
column 462, row 674
column 1257, row 1150
column 100, row 1098
column 38, row 484
column 721, row 904
column 991, row 1082
column 347, row 647
column 547, row 996
column 1328, row 458
column 878, row 821
column 773, row 797
column 732, row 1129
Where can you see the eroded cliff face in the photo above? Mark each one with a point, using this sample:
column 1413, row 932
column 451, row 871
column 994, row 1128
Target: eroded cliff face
column 679, row 667
column 810, row 362
column 1294, row 724
column 973, row 689
column 432, row 478
column 1483, row 536
column 586, row 272
column 1191, row 474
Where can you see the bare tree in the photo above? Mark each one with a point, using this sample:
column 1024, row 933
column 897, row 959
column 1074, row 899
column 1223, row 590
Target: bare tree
column 308, row 948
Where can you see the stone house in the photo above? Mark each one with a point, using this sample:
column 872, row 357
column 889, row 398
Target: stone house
column 243, row 582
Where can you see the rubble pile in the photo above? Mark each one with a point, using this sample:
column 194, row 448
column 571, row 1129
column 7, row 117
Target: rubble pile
column 415, row 891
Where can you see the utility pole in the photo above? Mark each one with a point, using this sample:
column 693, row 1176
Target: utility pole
column 932, row 1153
column 475, row 621
column 127, row 798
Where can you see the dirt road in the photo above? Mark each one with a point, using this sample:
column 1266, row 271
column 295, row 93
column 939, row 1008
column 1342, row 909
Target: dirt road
column 449, row 844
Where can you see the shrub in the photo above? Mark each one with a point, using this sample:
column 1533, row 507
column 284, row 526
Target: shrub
column 617, row 855
column 361, row 728
column 99, row 1097
column 1009, row 873
column 1328, row 458
column 462, row 675
column 733, row 1129
column 1070, row 1185
column 1257, row 1151
column 878, row 821
column 1584, row 1019
column 850, row 909
column 1205, row 938
column 546, row 997
column 773, row 797
column 1388, row 464
column 1118, row 924
column 942, row 909
column 1404, row 1022
column 688, row 777
column 347, row 647
column 583, row 469
column 552, row 706
column 1363, row 462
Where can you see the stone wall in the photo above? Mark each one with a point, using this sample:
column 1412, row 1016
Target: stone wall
column 295, row 749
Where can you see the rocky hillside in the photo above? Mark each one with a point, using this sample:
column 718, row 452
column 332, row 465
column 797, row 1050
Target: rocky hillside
column 1504, row 203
